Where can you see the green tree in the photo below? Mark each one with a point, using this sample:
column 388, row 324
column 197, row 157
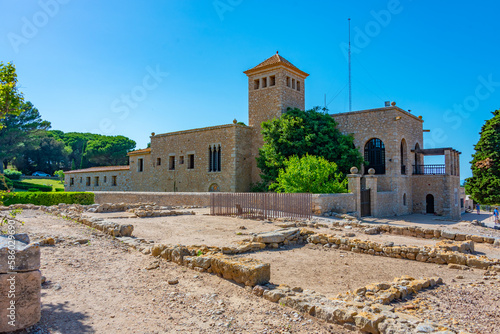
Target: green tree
column 91, row 150
column 47, row 155
column 20, row 132
column 309, row 174
column 299, row 133
column 108, row 150
column 11, row 99
column 484, row 185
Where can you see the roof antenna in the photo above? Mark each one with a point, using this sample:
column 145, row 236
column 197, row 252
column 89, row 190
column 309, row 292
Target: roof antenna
column 350, row 93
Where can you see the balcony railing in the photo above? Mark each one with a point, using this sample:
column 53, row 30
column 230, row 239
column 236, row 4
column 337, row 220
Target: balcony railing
column 429, row 169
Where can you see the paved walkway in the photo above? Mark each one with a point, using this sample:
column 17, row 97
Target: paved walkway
column 429, row 219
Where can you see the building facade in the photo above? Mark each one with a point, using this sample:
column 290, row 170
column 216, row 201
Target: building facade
column 223, row 158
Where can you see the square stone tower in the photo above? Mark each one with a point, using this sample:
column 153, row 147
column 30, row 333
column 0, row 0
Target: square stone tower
column 273, row 86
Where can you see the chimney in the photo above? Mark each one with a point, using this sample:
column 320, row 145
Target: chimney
column 387, row 103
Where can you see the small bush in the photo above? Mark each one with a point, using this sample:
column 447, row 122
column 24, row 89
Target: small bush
column 13, row 174
column 48, row 199
column 28, row 186
column 5, row 183
column 59, row 189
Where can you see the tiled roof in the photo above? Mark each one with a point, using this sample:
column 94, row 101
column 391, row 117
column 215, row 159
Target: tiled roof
column 98, row 169
column 144, row 151
column 276, row 59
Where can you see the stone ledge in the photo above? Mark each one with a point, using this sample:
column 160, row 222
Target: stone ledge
column 365, row 309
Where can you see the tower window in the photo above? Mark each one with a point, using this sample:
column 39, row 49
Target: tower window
column 264, row 82
column 171, row 162
column 140, row 165
column 293, row 83
column 158, row 161
column 214, row 158
column 298, row 85
column 190, row 161
column 256, row 84
column 272, row 80
column 288, row 81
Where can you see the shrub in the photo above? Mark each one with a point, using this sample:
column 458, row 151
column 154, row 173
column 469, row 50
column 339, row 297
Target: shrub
column 5, row 183
column 310, row 174
column 59, row 174
column 12, row 174
column 48, row 199
column 29, row 186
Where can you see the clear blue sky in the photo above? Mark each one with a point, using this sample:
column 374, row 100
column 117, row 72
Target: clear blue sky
column 78, row 60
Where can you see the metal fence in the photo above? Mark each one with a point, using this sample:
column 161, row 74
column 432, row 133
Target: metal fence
column 261, row 205
column 429, row 169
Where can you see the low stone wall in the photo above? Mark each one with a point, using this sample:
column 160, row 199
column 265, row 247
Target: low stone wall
column 365, row 309
column 174, row 199
column 411, row 231
column 20, row 283
column 342, row 203
column 74, row 212
column 208, row 259
column 440, row 254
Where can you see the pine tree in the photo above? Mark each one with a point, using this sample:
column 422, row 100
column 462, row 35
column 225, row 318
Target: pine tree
column 484, row 185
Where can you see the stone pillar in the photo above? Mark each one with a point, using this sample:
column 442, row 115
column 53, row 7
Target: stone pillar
column 371, row 183
column 447, row 162
column 20, row 283
column 354, row 186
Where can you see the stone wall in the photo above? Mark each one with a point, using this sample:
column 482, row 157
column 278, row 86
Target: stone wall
column 341, row 203
column 160, row 198
column 387, row 204
column 123, row 181
column 393, row 126
column 444, row 188
column 233, row 139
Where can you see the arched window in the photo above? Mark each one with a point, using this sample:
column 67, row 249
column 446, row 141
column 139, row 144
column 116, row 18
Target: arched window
column 375, row 155
column 404, row 199
column 214, row 158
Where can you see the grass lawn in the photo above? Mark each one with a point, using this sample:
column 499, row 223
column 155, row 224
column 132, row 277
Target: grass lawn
column 46, row 182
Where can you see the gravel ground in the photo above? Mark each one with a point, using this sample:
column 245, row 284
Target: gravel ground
column 100, row 286
column 103, row 287
column 471, row 306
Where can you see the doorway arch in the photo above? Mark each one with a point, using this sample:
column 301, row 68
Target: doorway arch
column 429, row 203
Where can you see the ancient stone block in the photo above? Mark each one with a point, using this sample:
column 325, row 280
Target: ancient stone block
column 20, row 305
column 24, row 257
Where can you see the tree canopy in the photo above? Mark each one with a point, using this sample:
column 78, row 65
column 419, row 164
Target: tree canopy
column 297, row 133
column 309, row 174
column 19, row 133
column 484, row 185
column 11, row 99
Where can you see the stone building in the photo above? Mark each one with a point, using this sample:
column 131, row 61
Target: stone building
column 222, row 158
